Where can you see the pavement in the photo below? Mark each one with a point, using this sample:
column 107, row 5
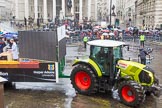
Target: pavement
column 155, row 43
column 5, row 26
column 76, row 50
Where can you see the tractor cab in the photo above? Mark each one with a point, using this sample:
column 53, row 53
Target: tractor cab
column 106, row 53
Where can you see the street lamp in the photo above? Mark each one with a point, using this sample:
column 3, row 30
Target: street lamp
column 111, row 8
column 110, row 11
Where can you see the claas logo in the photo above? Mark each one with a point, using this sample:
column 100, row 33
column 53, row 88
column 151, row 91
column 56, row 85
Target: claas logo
column 51, row 67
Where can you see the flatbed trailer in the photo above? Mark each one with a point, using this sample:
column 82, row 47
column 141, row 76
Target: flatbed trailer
column 42, row 57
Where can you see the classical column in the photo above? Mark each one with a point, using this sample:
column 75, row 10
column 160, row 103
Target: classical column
column 45, row 11
column 26, row 8
column 54, row 10
column 72, row 9
column 16, row 9
column 80, row 10
column 63, row 8
column 96, row 17
column 89, row 9
column 35, row 9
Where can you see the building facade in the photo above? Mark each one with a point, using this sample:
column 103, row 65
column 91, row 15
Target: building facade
column 149, row 14
column 158, row 14
column 130, row 12
column 126, row 12
column 146, row 13
column 84, row 10
column 5, row 9
column 106, row 11
column 90, row 10
column 50, row 9
column 120, row 10
column 45, row 9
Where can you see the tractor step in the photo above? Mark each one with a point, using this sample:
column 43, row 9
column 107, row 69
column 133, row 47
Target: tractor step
column 103, row 86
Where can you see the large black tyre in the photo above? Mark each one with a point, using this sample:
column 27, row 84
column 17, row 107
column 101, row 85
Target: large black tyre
column 84, row 80
column 131, row 93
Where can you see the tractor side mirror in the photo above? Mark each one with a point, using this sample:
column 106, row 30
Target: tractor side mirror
column 127, row 46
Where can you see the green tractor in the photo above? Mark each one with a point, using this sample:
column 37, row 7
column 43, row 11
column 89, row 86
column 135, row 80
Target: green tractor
column 106, row 70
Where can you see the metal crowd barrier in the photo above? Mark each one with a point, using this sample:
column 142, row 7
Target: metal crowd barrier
column 75, row 39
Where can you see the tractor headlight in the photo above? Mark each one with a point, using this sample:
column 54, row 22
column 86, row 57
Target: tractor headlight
column 145, row 77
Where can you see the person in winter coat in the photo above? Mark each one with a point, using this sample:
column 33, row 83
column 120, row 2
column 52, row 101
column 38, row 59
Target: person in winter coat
column 14, row 50
column 2, row 44
column 142, row 55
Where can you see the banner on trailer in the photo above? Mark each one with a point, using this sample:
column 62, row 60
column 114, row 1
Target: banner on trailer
column 45, row 73
column 61, row 32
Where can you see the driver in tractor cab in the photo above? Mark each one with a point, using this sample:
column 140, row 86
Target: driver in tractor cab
column 101, row 54
column 103, row 59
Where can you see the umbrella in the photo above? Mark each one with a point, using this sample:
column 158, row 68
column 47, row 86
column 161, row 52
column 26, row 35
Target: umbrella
column 77, row 31
column 119, row 30
column 154, row 30
column 146, row 30
column 105, row 30
column 115, row 29
column 11, row 35
column 105, row 34
column 95, row 30
column 130, row 28
column 97, row 27
column 84, row 30
column 140, row 30
column 111, row 34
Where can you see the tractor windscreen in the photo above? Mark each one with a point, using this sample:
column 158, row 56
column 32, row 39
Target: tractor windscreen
column 117, row 51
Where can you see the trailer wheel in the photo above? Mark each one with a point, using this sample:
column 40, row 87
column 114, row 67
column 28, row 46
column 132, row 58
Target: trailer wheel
column 84, row 80
column 131, row 93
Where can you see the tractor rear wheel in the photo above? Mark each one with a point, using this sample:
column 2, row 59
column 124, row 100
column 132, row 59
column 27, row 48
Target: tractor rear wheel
column 131, row 93
column 84, row 80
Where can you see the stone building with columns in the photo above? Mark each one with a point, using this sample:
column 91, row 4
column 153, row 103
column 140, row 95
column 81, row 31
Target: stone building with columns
column 85, row 9
column 50, row 9
column 5, row 9
column 120, row 10
column 130, row 12
column 149, row 14
column 46, row 9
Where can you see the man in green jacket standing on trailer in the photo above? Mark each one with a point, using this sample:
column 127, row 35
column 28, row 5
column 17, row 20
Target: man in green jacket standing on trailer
column 85, row 40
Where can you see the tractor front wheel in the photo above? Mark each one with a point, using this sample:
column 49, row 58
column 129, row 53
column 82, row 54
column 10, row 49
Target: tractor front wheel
column 84, row 80
column 131, row 93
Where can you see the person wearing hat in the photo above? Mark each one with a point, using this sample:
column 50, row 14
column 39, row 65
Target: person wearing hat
column 14, row 50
